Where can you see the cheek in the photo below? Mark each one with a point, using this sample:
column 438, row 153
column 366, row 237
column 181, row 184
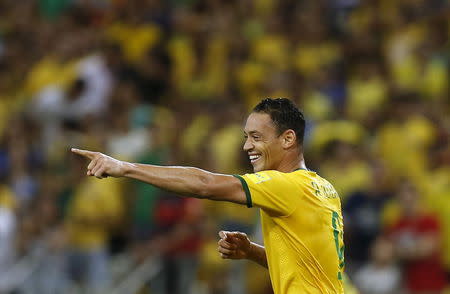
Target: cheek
column 278, row 152
column 271, row 151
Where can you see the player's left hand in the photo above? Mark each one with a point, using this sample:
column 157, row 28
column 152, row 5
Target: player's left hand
column 101, row 165
column 234, row 245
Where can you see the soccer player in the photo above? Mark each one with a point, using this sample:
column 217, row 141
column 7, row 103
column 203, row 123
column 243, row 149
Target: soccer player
column 300, row 211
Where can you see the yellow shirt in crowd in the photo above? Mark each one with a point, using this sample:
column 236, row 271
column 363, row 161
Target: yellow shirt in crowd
column 96, row 207
column 302, row 228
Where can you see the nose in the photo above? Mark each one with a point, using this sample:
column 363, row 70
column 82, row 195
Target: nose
column 248, row 145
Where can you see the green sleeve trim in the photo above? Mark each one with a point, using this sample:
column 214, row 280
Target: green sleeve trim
column 246, row 190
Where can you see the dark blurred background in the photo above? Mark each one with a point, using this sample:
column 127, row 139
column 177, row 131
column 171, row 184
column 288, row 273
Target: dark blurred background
column 171, row 82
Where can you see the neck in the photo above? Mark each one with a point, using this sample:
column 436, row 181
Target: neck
column 292, row 164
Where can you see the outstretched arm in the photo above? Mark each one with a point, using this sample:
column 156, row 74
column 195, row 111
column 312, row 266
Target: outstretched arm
column 187, row 181
column 236, row 245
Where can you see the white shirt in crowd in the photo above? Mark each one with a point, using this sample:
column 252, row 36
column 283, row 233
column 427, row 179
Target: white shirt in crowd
column 375, row 280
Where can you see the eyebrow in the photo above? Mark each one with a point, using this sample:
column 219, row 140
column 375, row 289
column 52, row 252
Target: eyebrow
column 252, row 133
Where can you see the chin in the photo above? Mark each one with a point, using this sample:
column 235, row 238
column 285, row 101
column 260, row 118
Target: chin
column 258, row 169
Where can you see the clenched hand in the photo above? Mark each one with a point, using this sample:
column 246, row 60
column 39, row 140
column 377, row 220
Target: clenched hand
column 234, row 245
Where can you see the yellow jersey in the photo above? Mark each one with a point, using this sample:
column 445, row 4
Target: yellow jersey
column 302, row 228
column 93, row 203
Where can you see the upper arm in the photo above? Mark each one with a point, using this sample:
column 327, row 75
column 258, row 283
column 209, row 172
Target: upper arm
column 273, row 192
column 225, row 188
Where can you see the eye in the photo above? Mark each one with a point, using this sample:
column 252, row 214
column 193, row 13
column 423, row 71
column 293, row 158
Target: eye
column 256, row 138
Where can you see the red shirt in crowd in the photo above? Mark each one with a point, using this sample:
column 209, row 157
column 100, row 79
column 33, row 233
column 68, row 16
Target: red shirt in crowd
column 427, row 273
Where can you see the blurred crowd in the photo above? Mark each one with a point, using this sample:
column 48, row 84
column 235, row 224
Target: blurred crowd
column 171, row 82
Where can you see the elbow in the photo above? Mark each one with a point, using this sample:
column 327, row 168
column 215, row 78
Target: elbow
column 217, row 187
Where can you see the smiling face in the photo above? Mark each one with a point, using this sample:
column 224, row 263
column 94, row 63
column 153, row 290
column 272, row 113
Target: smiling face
column 263, row 144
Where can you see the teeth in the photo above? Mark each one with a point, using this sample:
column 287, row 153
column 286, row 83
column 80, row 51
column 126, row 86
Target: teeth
column 254, row 157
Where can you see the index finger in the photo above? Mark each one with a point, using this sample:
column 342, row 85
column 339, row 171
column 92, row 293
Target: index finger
column 223, row 234
column 85, row 153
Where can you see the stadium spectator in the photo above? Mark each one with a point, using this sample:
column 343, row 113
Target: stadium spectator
column 380, row 275
column 96, row 208
column 417, row 236
column 178, row 238
column 8, row 227
column 362, row 213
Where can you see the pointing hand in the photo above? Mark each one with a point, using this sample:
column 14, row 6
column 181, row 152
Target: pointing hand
column 101, row 165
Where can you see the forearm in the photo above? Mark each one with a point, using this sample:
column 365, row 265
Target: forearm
column 186, row 181
column 258, row 254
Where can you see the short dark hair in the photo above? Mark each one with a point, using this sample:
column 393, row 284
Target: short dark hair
column 284, row 114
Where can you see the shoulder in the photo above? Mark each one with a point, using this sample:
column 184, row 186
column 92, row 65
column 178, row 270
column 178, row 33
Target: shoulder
column 274, row 175
column 263, row 176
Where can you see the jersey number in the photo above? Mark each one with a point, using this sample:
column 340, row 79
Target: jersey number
column 338, row 239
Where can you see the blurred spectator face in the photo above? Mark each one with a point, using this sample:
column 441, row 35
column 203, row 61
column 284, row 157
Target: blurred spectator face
column 76, row 90
column 345, row 152
column 382, row 252
column 46, row 211
column 380, row 181
column 262, row 144
column 408, row 198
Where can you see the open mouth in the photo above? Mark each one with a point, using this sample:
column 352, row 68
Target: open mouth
column 254, row 158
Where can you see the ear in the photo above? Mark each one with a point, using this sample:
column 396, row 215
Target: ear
column 289, row 139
